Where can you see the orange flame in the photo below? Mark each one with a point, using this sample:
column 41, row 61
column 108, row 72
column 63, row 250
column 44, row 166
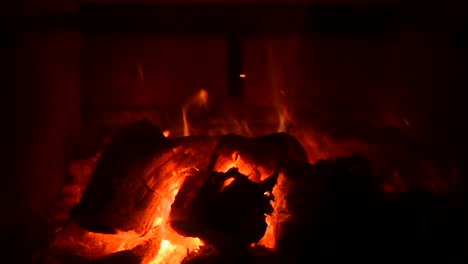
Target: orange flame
column 199, row 99
column 227, row 183
column 173, row 247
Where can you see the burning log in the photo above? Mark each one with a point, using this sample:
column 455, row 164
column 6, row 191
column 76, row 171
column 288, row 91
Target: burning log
column 133, row 176
column 209, row 254
column 141, row 168
column 230, row 191
column 130, row 256
column 228, row 211
column 116, row 191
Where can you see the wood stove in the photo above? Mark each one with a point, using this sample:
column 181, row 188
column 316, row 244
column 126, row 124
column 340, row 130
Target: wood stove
column 213, row 133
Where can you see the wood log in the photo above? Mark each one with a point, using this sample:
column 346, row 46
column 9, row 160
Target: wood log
column 228, row 211
column 108, row 203
column 141, row 168
column 135, row 255
column 265, row 154
column 130, row 176
column 233, row 218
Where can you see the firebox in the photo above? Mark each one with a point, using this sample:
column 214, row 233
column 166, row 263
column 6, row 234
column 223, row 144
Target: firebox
column 243, row 132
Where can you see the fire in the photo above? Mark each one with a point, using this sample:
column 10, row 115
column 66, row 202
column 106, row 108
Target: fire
column 199, row 99
column 284, row 118
column 173, row 247
column 227, row 183
column 280, row 214
column 173, row 253
column 167, row 245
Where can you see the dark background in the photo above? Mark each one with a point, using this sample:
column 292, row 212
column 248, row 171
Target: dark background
column 353, row 63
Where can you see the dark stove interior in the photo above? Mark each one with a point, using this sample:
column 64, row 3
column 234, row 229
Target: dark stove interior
column 234, row 132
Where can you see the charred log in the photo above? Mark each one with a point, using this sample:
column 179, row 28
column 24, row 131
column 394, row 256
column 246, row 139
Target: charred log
column 126, row 185
column 228, row 211
column 116, row 193
column 266, row 154
column 131, row 256
column 347, row 217
column 210, row 255
column 228, row 208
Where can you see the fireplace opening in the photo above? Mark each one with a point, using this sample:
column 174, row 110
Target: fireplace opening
column 237, row 132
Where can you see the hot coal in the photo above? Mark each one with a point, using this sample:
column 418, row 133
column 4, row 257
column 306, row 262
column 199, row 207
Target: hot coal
column 336, row 209
column 125, row 187
column 131, row 256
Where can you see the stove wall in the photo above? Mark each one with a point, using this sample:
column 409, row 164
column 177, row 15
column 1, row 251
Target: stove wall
column 46, row 131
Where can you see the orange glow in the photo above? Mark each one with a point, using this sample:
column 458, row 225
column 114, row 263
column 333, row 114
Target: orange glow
column 406, row 122
column 199, row 99
column 166, row 244
column 284, row 118
column 173, row 247
column 173, row 253
column 227, row 183
column 280, row 214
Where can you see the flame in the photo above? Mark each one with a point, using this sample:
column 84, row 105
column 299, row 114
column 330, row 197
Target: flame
column 173, row 247
column 227, row 183
column 280, row 213
column 284, row 118
column 199, row 99
column 171, row 253
column 169, row 246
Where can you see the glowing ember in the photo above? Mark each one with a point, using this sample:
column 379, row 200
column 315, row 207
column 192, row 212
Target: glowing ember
column 165, row 176
column 227, row 183
column 174, row 247
column 280, row 214
column 172, row 253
